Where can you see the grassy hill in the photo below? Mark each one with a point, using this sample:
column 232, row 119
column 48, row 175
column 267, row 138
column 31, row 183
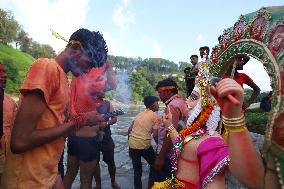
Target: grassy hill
column 16, row 65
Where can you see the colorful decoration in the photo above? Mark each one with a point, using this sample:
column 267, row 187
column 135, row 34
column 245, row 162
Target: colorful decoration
column 260, row 35
column 199, row 122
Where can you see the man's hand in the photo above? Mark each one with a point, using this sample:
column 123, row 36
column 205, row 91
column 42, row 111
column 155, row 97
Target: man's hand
column 88, row 119
column 159, row 163
column 167, row 118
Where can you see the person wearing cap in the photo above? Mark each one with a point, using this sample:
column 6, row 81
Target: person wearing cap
column 42, row 120
column 242, row 78
column 139, row 139
column 168, row 92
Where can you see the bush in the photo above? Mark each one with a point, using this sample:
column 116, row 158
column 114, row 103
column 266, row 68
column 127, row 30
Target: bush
column 256, row 120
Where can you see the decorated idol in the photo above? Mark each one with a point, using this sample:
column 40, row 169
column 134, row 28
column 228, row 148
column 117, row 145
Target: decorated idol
column 199, row 155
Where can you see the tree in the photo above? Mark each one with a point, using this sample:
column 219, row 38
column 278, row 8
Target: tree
column 21, row 38
column 8, row 27
column 25, row 44
column 140, row 86
column 36, row 49
column 47, row 51
column 183, row 65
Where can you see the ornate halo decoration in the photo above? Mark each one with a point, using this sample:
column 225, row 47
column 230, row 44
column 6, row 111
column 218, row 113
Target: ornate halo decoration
column 259, row 35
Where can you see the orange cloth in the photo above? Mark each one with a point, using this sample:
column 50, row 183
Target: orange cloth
column 144, row 123
column 82, row 88
column 37, row 168
column 9, row 108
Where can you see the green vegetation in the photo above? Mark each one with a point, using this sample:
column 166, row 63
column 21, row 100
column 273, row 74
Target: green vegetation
column 16, row 64
column 143, row 75
column 248, row 93
column 256, row 120
column 12, row 32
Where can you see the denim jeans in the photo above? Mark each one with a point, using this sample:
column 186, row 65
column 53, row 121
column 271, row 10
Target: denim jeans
column 149, row 156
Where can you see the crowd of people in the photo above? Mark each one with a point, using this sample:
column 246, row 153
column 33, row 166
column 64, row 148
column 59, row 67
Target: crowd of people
column 197, row 139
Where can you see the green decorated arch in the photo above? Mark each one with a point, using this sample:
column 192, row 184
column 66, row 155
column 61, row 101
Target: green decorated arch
column 260, row 35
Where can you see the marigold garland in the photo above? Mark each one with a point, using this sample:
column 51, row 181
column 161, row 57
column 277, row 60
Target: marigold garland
column 198, row 122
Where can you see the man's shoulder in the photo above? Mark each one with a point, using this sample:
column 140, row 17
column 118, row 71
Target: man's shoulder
column 177, row 101
column 43, row 61
column 45, row 64
column 9, row 99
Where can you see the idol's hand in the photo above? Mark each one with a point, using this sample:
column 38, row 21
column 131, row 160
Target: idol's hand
column 229, row 87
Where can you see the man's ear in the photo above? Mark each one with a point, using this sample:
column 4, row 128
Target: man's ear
column 75, row 49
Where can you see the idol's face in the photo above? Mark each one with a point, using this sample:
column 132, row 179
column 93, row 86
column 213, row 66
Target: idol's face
column 193, row 99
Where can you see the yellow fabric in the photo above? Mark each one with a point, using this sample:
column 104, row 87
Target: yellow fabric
column 144, row 123
column 166, row 184
column 37, row 168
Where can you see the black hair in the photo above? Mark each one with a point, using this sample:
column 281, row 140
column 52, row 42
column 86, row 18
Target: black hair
column 205, row 48
column 93, row 43
column 150, row 100
column 186, row 69
column 168, row 82
column 194, row 56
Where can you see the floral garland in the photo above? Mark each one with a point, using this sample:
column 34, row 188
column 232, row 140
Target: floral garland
column 192, row 131
column 194, row 113
column 213, row 121
column 198, row 122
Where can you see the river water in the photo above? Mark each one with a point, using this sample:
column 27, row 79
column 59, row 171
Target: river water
column 124, row 173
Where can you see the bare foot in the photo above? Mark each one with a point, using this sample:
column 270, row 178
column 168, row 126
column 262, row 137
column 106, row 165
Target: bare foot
column 115, row 185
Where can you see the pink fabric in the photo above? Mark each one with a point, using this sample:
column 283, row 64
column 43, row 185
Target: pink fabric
column 178, row 108
column 213, row 158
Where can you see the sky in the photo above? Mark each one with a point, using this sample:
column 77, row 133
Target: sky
column 169, row 29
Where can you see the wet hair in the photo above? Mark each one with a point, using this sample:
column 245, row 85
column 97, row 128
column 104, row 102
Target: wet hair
column 150, row 100
column 193, row 56
column 205, row 48
column 168, row 82
column 93, row 43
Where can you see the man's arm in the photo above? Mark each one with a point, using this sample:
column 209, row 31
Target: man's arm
column 111, row 77
column 114, row 119
column 25, row 136
column 194, row 71
column 130, row 129
column 256, row 91
column 167, row 140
